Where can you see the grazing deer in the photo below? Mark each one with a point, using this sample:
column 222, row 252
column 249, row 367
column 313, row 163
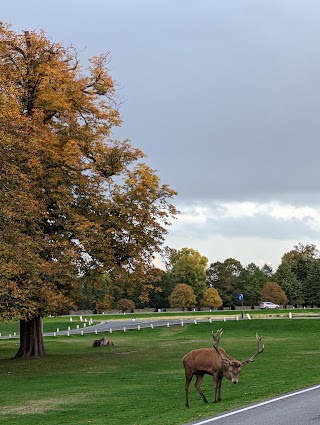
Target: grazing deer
column 216, row 362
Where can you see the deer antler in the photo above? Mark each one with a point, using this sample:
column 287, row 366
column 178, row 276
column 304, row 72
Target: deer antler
column 216, row 338
column 260, row 350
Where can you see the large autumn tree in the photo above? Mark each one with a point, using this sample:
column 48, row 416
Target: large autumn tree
column 73, row 200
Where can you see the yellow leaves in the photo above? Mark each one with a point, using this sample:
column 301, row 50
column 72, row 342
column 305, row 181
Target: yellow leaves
column 144, row 298
column 100, row 80
column 72, row 198
column 158, row 290
column 182, row 296
column 106, row 303
column 211, row 298
column 46, row 77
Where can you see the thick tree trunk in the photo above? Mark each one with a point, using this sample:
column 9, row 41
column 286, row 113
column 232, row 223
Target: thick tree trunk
column 31, row 339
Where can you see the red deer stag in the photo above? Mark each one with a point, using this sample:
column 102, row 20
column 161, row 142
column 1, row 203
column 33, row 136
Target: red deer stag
column 216, row 362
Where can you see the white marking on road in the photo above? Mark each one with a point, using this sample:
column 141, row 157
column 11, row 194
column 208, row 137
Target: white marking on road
column 225, row 415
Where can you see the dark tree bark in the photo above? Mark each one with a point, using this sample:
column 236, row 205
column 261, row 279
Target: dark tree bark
column 31, row 339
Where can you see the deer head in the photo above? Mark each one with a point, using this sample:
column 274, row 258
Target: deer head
column 231, row 367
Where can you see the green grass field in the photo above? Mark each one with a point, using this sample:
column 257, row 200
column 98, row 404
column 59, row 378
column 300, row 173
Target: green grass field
column 140, row 380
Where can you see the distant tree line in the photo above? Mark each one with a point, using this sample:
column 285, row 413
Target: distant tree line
column 189, row 282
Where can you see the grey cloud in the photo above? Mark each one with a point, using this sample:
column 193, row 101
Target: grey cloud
column 264, row 227
column 222, row 96
column 217, row 222
column 236, row 116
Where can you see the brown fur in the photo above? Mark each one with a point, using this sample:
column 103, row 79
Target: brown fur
column 102, row 341
column 215, row 362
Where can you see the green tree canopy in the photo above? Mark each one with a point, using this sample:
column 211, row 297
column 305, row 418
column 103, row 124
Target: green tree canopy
column 300, row 260
column 91, row 290
column 267, row 271
column 288, row 281
column 188, row 266
column 159, row 298
column 311, row 287
column 223, row 277
column 250, row 283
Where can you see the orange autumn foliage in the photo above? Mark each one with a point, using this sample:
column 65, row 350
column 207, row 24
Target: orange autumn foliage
column 72, row 198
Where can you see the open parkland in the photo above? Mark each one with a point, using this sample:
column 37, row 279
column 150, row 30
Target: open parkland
column 140, row 379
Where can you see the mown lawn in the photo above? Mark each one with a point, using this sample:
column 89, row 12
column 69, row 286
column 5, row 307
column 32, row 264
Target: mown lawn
column 140, row 380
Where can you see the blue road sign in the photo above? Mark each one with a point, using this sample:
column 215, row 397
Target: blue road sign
column 240, row 296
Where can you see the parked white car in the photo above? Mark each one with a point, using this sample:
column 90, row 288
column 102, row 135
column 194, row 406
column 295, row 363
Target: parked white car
column 267, row 304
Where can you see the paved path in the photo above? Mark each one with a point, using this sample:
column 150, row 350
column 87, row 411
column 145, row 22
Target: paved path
column 297, row 408
column 120, row 325
column 127, row 324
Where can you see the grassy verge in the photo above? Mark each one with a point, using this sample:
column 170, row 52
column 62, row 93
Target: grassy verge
column 140, row 380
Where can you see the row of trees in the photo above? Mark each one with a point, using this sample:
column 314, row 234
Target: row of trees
column 189, row 282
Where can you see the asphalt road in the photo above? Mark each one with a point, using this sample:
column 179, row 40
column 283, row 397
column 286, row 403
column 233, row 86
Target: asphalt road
column 125, row 325
column 298, row 408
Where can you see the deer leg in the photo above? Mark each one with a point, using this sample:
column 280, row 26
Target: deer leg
column 188, row 381
column 198, row 387
column 217, row 379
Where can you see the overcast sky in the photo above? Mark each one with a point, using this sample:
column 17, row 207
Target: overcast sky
column 224, row 98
